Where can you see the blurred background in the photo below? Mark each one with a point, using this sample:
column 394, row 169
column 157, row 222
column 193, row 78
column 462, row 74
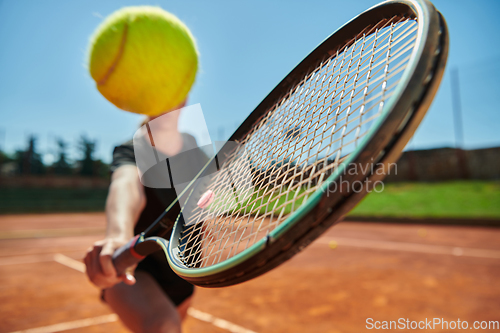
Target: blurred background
column 57, row 134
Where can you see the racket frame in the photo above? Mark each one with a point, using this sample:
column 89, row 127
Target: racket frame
column 401, row 116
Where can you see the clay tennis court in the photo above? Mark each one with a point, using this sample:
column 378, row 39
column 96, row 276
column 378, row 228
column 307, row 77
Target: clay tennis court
column 353, row 272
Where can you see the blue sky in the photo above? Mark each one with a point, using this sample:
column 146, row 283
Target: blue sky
column 246, row 49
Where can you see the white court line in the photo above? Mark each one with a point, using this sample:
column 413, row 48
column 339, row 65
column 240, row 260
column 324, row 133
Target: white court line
column 221, row 323
column 70, row 325
column 197, row 314
column 25, row 259
column 413, row 247
column 49, row 233
column 69, row 262
column 29, row 258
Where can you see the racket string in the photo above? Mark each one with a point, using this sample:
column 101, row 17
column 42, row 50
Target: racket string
column 299, row 142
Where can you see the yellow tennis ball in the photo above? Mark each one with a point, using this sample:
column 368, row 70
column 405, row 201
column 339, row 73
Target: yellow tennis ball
column 333, row 244
column 143, row 59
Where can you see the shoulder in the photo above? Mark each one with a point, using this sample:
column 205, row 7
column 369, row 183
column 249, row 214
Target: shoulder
column 126, row 146
column 188, row 141
column 123, row 154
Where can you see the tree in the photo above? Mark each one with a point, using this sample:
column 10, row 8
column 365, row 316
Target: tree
column 29, row 161
column 61, row 166
column 101, row 169
column 87, row 147
column 5, row 160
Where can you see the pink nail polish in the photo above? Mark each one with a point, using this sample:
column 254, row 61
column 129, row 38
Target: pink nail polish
column 206, row 199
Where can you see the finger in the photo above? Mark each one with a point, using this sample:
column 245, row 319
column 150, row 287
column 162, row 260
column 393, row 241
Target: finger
column 128, row 279
column 91, row 273
column 93, row 269
column 86, row 262
column 95, row 258
column 94, row 272
column 99, row 278
column 95, row 251
column 100, row 243
column 106, row 261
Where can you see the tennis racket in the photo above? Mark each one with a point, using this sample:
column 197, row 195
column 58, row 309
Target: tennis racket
column 310, row 151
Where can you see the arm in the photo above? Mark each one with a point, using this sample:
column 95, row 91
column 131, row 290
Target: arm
column 125, row 202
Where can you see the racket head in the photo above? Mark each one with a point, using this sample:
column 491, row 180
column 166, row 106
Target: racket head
column 418, row 63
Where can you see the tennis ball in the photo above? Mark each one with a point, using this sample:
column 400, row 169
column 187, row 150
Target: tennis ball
column 422, row 232
column 143, row 60
column 333, row 244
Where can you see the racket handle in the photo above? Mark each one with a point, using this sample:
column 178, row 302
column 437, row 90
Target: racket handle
column 126, row 256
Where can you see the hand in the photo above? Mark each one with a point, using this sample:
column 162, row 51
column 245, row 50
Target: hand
column 100, row 269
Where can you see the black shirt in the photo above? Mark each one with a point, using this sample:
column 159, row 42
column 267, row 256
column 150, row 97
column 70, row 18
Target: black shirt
column 158, row 199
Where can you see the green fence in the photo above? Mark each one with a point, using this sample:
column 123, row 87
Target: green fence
column 50, row 200
column 454, row 199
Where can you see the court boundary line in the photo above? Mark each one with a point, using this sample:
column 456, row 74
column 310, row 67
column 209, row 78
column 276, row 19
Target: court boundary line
column 69, row 262
column 197, row 314
column 49, row 233
column 70, row 325
column 29, row 258
column 412, row 247
column 218, row 322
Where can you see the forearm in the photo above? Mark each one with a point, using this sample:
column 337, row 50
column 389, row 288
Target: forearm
column 126, row 200
column 124, row 204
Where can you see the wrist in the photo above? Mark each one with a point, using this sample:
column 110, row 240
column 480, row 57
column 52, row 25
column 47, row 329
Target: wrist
column 119, row 231
column 120, row 238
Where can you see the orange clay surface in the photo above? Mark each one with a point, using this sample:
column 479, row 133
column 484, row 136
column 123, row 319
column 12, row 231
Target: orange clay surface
column 353, row 272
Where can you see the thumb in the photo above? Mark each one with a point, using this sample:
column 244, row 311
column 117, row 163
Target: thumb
column 128, row 279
